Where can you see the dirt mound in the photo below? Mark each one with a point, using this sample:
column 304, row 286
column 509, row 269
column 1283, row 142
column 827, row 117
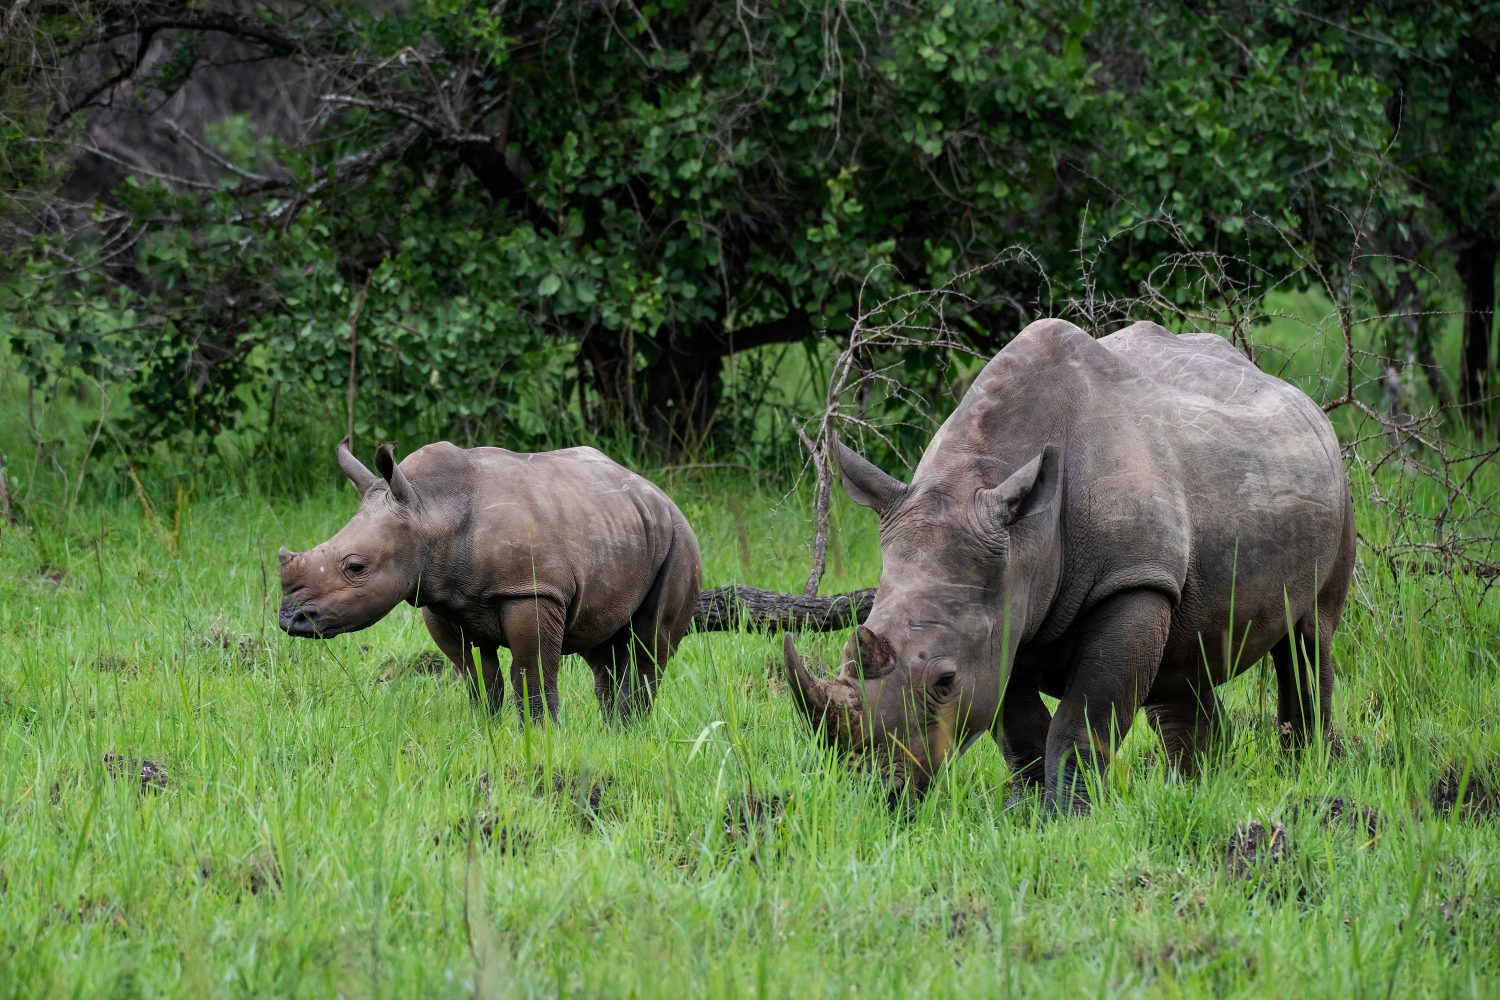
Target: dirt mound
column 1253, row 849
column 1478, row 798
column 1339, row 811
column 152, row 776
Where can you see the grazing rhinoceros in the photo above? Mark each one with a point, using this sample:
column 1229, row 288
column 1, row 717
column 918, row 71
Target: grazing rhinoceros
column 546, row 554
column 1117, row 523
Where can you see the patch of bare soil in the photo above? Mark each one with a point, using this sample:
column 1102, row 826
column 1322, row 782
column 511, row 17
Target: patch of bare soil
column 581, row 792
column 748, row 819
column 1191, row 950
column 1253, row 849
column 747, row 814
column 428, row 662
column 92, row 909
column 254, row 875
column 240, row 647
column 1339, row 811
column 152, row 776
column 968, row 917
column 1477, row 799
column 109, row 663
column 487, row 832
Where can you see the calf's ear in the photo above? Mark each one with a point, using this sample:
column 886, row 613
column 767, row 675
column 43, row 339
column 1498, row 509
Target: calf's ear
column 385, row 463
column 865, row 484
column 1028, row 490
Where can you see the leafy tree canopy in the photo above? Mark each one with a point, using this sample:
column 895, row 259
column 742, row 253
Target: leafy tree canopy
column 601, row 201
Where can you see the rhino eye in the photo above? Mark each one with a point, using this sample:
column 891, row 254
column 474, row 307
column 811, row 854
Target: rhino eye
column 943, row 686
column 353, row 567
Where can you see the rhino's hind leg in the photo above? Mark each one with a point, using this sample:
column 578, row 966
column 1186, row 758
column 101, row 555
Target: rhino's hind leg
column 461, row 653
column 1304, row 681
column 1117, row 657
column 619, row 684
column 1189, row 725
column 628, row 668
column 533, row 628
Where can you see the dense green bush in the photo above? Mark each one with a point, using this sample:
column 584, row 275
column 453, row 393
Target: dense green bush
column 584, row 210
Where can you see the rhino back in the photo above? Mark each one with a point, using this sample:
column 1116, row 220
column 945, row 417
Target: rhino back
column 570, row 525
column 1262, row 486
column 1186, row 469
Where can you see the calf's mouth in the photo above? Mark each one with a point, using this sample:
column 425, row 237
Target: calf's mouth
column 304, row 621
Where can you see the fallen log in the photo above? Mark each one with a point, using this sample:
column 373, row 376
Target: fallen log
column 724, row 609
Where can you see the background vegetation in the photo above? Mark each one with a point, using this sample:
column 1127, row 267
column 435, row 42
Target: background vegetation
column 602, row 202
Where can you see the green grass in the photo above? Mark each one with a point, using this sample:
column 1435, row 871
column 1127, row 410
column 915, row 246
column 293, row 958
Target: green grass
column 327, row 818
column 335, row 820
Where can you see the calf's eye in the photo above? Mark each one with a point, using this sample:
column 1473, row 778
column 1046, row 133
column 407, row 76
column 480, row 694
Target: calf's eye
column 943, row 686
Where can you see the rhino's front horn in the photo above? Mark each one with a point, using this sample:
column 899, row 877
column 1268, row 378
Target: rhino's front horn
column 361, row 477
column 810, row 694
column 286, row 555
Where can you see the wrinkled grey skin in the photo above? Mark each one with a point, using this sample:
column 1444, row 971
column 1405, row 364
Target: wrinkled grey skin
column 1118, row 523
column 545, row 554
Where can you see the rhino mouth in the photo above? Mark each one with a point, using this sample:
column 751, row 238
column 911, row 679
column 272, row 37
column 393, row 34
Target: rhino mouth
column 303, row 622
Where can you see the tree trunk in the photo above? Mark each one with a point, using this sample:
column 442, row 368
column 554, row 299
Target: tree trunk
column 685, row 383
column 682, row 393
column 723, row 609
column 1476, row 266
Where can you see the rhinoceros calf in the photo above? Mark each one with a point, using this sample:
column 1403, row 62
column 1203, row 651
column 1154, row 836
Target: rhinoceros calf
column 1116, row 523
column 545, row 554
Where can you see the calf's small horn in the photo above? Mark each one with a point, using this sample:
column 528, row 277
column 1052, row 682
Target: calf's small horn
column 361, row 477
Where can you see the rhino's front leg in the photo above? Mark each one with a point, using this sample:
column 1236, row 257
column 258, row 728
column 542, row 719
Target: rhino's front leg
column 1118, row 653
column 457, row 648
column 1024, row 723
column 533, row 629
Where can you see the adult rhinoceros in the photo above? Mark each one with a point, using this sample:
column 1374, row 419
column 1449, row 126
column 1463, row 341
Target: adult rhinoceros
column 1116, row 523
column 549, row 553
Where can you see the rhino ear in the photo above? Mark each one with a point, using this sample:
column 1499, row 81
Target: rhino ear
column 865, row 484
column 385, row 464
column 361, row 477
column 1030, row 488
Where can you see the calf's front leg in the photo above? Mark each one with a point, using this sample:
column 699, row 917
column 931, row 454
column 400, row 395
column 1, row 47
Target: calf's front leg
column 533, row 628
column 456, row 646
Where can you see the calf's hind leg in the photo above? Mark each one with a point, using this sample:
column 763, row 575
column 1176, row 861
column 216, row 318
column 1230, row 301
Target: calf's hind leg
column 1189, row 725
column 628, row 668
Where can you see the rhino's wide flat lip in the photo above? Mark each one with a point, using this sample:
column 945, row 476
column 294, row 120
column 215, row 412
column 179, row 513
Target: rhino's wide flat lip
column 298, row 625
column 300, row 628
